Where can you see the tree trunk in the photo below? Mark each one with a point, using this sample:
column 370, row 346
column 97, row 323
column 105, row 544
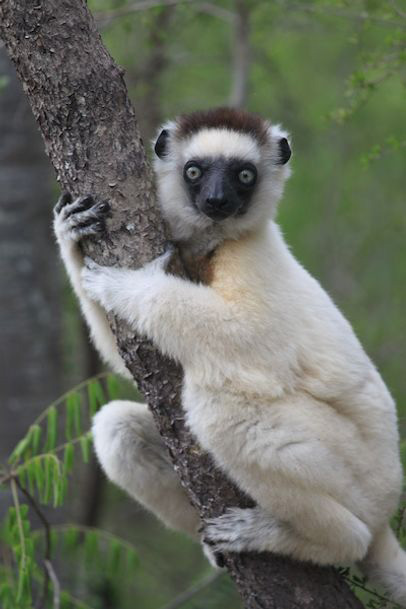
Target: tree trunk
column 79, row 99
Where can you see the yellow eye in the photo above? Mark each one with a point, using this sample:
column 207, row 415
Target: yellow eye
column 247, row 177
column 193, row 173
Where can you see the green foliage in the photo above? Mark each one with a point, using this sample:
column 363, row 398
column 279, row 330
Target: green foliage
column 38, row 474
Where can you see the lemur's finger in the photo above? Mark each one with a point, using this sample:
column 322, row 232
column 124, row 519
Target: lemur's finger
column 220, row 561
column 97, row 213
column 79, row 232
column 63, row 200
column 80, row 204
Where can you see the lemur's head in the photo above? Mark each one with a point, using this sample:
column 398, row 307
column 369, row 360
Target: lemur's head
column 220, row 172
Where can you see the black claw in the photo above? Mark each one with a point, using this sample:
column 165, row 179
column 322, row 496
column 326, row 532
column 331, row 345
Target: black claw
column 104, row 207
column 97, row 226
column 88, row 201
column 84, row 204
column 209, row 542
column 63, row 200
column 219, row 558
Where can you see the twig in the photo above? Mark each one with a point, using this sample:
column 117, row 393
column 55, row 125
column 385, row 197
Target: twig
column 47, row 554
column 55, row 584
column 186, row 595
column 364, row 16
column 106, row 17
column 402, row 513
column 217, row 11
column 63, row 397
column 143, row 5
column 357, row 584
column 14, row 493
column 398, row 10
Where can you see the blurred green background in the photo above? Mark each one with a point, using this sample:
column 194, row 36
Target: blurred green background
column 333, row 73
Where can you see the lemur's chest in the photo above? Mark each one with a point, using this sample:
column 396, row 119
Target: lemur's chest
column 200, row 268
column 222, row 268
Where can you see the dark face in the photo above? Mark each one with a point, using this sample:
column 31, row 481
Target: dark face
column 220, row 188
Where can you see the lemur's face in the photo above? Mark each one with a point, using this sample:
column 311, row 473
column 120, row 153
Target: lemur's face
column 220, row 187
column 220, row 171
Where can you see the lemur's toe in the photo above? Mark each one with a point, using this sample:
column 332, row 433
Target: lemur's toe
column 216, row 559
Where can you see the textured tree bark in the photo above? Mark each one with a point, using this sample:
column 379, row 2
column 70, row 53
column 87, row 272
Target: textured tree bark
column 80, row 101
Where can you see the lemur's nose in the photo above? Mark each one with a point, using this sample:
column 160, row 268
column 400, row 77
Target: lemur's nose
column 218, row 202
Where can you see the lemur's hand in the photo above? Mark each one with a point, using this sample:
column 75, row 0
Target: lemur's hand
column 116, row 287
column 101, row 282
column 74, row 220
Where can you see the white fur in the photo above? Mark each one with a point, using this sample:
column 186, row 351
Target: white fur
column 102, row 336
column 219, row 142
column 277, row 388
column 132, row 454
column 187, row 224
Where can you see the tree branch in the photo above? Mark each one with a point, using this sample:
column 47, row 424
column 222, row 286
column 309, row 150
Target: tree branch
column 80, row 101
column 241, row 54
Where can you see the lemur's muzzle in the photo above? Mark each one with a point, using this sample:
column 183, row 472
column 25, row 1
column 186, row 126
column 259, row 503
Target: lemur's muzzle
column 218, row 199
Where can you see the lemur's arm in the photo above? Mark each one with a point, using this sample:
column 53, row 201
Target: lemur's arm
column 72, row 222
column 176, row 314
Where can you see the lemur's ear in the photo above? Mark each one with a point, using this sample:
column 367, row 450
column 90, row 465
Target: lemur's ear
column 284, row 150
column 162, row 143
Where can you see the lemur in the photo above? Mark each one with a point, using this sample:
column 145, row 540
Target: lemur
column 277, row 387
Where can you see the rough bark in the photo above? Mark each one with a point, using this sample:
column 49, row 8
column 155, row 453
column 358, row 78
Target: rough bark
column 79, row 99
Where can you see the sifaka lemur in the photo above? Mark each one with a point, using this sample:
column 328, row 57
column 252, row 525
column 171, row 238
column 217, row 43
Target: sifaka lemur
column 277, row 388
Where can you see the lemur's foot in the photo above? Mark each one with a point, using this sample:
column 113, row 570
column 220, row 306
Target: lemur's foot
column 239, row 530
column 83, row 217
column 216, row 559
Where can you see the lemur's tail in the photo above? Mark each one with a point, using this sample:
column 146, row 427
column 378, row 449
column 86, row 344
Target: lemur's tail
column 385, row 565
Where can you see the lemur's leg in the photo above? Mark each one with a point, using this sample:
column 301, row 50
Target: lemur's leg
column 133, row 455
column 239, row 530
column 74, row 220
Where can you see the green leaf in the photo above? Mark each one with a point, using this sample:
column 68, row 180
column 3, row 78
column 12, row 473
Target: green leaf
column 46, row 497
column 39, row 475
column 115, row 555
column 52, row 432
column 36, row 432
column 113, row 387
column 71, row 538
column 73, row 412
column 20, row 449
column 68, row 458
column 85, row 443
column 95, row 395
column 132, row 559
column 91, row 545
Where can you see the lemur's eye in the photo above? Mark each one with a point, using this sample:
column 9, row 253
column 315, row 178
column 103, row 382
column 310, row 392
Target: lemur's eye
column 193, row 173
column 247, row 176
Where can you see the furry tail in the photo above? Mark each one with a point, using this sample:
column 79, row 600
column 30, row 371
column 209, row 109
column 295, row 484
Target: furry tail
column 385, row 565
